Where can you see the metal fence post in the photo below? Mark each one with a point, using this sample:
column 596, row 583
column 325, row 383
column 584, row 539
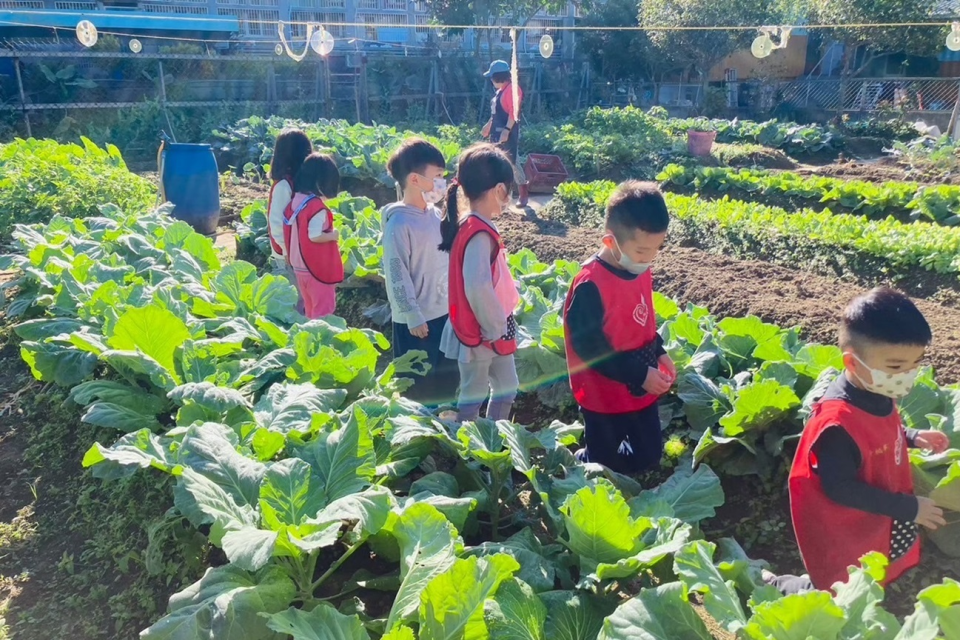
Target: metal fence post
column 23, row 97
column 271, row 89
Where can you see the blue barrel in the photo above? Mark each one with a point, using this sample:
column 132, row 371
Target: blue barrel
column 190, row 180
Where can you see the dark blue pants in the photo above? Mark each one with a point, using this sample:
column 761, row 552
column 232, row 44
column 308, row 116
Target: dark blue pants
column 439, row 386
column 627, row 443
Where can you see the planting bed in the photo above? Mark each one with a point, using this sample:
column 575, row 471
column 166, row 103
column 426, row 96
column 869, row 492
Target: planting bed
column 298, row 478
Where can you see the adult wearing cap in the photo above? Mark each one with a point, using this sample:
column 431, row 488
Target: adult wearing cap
column 503, row 129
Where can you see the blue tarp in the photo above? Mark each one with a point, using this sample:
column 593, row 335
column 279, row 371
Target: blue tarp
column 117, row 20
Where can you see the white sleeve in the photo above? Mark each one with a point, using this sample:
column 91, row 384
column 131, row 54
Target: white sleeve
column 478, row 287
column 318, row 225
column 282, row 195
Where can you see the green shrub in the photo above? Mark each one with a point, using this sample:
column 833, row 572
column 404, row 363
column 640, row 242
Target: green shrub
column 42, row 178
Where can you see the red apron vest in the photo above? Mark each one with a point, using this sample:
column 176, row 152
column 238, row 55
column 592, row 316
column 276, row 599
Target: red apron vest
column 462, row 318
column 321, row 259
column 275, row 242
column 628, row 323
column 832, row 537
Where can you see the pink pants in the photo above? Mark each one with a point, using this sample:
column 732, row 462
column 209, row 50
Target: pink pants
column 319, row 299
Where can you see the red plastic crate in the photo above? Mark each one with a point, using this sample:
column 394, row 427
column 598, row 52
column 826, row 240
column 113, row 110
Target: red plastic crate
column 544, row 172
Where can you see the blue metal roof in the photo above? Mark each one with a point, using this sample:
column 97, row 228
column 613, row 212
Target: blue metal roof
column 114, row 20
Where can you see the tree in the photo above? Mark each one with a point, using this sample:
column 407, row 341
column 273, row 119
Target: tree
column 620, row 55
column 874, row 42
column 489, row 12
column 701, row 50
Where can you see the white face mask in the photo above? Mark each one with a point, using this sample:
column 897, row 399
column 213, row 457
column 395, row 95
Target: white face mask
column 437, row 193
column 891, row 385
column 636, row 268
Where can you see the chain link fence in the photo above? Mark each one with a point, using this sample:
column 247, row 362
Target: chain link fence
column 872, row 94
column 127, row 99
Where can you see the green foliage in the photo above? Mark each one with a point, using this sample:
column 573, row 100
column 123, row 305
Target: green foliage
column 288, row 452
column 40, row 179
column 916, row 40
column 361, row 151
column 820, row 235
column 793, row 138
column 703, row 48
column 940, row 204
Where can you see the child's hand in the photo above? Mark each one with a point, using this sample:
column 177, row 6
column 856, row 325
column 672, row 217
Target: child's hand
column 420, row 332
column 333, row 235
column 656, row 383
column 929, row 514
column 936, row 441
column 667, row 367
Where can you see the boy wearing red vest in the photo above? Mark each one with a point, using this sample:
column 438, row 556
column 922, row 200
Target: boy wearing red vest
column 851, row 489
column 618, row 366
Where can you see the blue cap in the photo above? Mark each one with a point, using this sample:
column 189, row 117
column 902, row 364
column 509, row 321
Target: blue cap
column 497, row 66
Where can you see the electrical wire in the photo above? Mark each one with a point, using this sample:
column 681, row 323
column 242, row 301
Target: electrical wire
column 279, row 23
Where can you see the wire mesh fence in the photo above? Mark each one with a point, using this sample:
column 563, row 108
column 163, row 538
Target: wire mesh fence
column 872, row 94
column 128, row 98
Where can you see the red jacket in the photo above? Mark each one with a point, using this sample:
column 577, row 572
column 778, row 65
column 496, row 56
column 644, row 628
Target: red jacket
column 321, row 259
column 462, row 317
column 275, row 242
column 628, row 323
column 832, row 537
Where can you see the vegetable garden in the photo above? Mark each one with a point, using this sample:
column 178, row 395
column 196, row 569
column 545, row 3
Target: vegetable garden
column 249, row 474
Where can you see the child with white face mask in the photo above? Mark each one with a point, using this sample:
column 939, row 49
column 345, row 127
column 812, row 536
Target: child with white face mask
column 617, row 363
column 416, row 269
column 851, row 488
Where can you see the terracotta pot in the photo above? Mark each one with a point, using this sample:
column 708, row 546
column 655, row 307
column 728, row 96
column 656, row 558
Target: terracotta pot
column 699, row 143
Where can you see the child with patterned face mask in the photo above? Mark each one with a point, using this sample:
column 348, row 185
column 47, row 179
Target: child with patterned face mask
column 851, row 488
column 616, row 360
column 416, row 270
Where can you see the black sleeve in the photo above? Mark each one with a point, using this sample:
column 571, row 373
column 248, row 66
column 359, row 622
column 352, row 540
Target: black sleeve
column 585, row 323
column 838, row 460
column 660, row 350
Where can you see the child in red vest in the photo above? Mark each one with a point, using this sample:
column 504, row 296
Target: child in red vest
column 618, row 366
column 310, row 241
column 291, row 149
column 481, row 332
column 851, row 489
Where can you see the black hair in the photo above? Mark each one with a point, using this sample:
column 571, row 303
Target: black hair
column 501, row 76
column 413, row 156
column 481, row 168
column 634, row 206
column 883, row 316
column 291, row 149
column 318, row 175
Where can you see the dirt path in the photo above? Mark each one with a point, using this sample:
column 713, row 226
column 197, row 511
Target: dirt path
column 731, row 287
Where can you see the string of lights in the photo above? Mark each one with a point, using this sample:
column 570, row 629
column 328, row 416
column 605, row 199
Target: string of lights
column 322, row 42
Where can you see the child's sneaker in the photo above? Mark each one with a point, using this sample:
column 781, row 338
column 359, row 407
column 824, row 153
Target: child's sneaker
column 581, row 455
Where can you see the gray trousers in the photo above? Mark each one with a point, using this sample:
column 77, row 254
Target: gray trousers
column 495, row 377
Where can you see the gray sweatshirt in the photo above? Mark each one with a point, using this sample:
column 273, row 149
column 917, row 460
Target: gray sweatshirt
column 415, row 269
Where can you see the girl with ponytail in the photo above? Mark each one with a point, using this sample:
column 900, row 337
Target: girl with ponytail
column 481, row 332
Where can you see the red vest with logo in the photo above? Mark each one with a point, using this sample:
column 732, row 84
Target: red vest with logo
column 275, row 242
column 462, row 318
column 321, row 259
column 628, row 323
column 832, row 537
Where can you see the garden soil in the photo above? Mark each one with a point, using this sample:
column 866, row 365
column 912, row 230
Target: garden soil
column 730, row 287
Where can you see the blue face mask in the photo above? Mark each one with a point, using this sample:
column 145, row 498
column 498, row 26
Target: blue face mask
column 636, row 268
